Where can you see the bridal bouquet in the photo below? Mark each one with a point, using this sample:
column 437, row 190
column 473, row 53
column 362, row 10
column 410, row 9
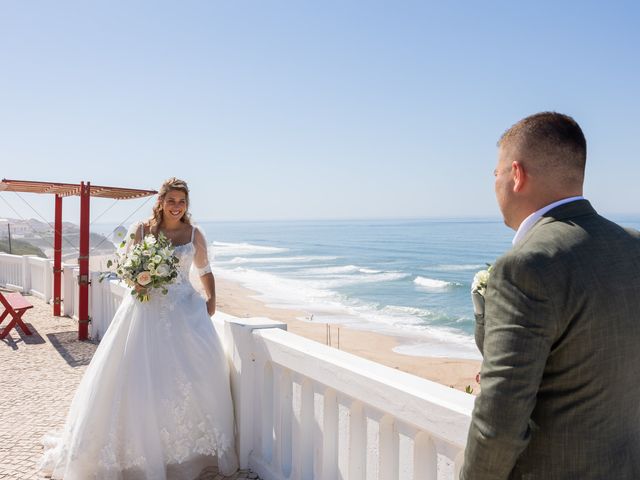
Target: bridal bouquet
column 149, row 264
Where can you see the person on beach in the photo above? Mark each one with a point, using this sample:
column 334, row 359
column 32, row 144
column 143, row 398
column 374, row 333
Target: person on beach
column 155, row 401
column 560, row 336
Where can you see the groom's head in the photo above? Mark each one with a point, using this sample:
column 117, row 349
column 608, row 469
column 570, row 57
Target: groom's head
column 541, row 159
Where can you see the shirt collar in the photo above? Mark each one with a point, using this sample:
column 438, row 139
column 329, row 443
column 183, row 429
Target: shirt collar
column 531, row 220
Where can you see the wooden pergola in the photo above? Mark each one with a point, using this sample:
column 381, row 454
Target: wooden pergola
column 85, row 191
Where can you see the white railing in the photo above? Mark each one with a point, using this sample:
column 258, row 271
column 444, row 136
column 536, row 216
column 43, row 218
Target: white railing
column 28, row 274
column 69, row 290
column 104, row 301
column 308, row 411
column 34, row 275
column 40, row 272
column 305, row 410
column 13, row 271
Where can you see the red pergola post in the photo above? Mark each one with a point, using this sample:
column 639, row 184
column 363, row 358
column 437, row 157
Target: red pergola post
column 57, row 258
column 83, row 262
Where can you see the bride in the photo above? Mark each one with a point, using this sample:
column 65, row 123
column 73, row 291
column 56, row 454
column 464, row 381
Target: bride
column 155, row 402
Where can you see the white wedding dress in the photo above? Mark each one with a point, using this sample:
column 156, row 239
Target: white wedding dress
column 155, row 401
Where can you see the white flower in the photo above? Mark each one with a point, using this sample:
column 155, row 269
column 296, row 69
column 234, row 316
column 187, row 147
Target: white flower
column 480, row 280
column 163, row 270
column 150, row 240
column 157, row 258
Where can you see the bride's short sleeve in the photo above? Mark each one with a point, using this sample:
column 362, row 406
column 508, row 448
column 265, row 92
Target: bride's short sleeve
column 201, row 255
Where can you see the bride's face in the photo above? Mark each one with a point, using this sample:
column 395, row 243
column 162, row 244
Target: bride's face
column 174, row 205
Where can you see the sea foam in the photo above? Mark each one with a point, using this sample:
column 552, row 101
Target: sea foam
column 227, row 249
column 294, row 259
column 431, row 284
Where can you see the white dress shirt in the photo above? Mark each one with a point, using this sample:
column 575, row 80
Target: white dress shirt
column 531, row 220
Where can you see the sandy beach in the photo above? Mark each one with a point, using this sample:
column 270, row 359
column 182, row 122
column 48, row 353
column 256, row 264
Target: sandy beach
column 234, row 299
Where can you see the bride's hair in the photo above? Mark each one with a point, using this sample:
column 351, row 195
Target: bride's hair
column 172, row 183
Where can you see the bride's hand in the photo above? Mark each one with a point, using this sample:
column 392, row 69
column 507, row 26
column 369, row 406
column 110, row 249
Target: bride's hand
column 140, row 289
column 211, row 306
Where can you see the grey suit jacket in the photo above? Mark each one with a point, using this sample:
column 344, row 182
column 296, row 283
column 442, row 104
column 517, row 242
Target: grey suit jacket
column 560, row 384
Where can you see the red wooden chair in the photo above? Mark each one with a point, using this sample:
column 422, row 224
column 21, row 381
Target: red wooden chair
column 14, row 306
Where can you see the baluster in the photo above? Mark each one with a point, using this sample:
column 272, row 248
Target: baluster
column 286, row 414
column 267, row 414
column 306, row 430
column 318, row 428
column 425, row 457
column 357, row 441
column 343, row 436
column 296, row 425
column 406, row 451
column 330, row 437
column 388, row 449
column 372, row 429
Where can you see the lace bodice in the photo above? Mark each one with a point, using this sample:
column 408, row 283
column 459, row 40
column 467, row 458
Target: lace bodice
column 185, row 255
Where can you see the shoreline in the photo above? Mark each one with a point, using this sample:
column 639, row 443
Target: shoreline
column 237, row 300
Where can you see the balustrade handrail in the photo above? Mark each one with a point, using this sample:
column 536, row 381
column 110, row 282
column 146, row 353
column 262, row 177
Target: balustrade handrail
column 10, row 258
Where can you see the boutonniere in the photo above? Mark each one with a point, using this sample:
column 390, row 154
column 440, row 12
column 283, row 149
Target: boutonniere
column 479, row 289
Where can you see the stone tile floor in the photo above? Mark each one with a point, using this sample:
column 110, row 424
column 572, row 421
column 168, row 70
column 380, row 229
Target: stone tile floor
column 38, row 377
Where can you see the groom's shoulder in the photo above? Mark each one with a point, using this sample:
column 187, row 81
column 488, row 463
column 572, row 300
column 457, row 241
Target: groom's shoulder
column 571, row 240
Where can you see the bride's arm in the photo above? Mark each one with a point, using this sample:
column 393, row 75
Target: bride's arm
column 201, row 262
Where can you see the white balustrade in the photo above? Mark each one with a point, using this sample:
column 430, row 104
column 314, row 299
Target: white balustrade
column 38, row 273
column 69, row 289
column 308, row 411
column 104, row 301
column 11, row 271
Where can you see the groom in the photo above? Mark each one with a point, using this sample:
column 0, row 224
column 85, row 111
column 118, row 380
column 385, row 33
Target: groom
column 560, row 382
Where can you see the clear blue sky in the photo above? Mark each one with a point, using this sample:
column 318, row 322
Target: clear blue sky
column 311, row 109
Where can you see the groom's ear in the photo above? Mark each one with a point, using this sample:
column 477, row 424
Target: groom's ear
column 519, row 176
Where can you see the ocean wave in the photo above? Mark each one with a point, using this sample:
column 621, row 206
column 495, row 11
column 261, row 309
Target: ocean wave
column 338, row 270
column 457, row 268
column 400, row 310
column 299, row 259
column 227, row 249
column 344, row 280
column 431, row 284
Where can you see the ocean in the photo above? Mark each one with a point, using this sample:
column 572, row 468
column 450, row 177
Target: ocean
column 409, row 278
